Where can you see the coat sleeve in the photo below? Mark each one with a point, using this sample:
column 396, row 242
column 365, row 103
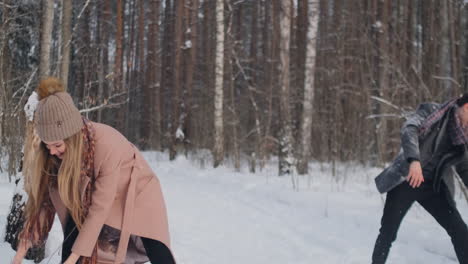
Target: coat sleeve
column 102, row 199
column 410, row 130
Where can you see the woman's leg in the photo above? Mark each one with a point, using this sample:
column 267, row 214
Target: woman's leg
column 157, row 252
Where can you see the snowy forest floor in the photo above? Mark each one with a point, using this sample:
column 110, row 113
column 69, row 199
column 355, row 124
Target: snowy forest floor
column 223, row 216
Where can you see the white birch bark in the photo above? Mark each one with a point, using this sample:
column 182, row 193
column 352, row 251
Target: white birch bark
column 218, row 100
column 309, row 91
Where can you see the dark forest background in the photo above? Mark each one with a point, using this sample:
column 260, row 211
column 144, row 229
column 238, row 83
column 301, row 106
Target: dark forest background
column 328, row 80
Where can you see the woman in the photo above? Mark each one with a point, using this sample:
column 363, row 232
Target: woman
column 107, row 198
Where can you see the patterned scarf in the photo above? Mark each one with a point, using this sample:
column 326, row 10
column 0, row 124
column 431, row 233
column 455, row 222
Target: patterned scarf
column 457, row 133
column 37, row 227
column 87, row 169
column 434, row 117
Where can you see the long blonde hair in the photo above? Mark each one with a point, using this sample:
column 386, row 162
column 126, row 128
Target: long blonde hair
column 41, row 168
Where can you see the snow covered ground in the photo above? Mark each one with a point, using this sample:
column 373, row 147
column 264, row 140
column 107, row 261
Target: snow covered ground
column 223, row 216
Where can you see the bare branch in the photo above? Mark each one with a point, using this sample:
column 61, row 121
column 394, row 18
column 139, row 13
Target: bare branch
column 446, row 78
column 103, row 106
column 25, row 89
column 385, row 115
column 379, row 99
column 106, row 104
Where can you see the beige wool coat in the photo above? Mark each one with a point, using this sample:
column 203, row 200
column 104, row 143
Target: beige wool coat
column 127, row 196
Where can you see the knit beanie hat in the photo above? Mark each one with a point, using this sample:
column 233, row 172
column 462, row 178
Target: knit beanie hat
column 57, row 117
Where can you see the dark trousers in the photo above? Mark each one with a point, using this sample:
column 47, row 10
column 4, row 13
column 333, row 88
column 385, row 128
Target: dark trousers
column 398, row 202
column 156, row 251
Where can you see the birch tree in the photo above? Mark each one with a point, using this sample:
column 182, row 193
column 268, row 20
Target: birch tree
column 218, row 99
column 286, row 158
column 309, row 89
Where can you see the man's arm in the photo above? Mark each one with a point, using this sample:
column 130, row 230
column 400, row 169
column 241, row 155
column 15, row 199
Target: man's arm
column 410, row 131
column 410, row 142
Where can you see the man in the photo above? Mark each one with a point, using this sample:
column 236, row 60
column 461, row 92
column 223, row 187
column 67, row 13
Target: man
column 434, row 139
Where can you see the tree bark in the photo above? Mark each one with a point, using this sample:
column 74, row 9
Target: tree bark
column 177, row 114
column 309, row 87
column 444, row 58
column 219, row 97
column 66, row 41
column 119, row 121
column 167, row 68
column 191, row 62
column 151, row 113
column 286, row 157
column 46, row 37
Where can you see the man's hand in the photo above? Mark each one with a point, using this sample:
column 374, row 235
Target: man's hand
column 415, row 176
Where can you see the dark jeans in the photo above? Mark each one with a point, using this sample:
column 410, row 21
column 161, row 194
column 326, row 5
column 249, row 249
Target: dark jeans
column 156, row 251
column 398, row 202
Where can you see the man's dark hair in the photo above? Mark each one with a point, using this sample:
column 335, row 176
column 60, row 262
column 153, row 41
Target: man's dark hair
column 463, row 99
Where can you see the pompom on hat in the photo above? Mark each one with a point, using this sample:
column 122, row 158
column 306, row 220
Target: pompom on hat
column 56, row 117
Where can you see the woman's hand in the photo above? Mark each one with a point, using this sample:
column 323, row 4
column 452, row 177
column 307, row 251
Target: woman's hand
column 415, row 176
column 17, row 259
column 72, row 259
column 21, row 252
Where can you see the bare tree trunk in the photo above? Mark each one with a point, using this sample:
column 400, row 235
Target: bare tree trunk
column 103, row 87
column 140, row 80
column 4, row 71
column 130, row 64
column 411, row 50
column 309, row 88
column 46, row 37
column 286, row 157
column 190, row 66
column 118, row 65
column 167, row 67
column 66, row 41
column 465, row 55
column 430, row 58
column 455, row 8
column 151, row 127
column 383, row 80
column 176, row 128
column 232, row 113
column 446, row 82
column 219, row 98
column 156, row 94
column 252, row 81
column 271, row 84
